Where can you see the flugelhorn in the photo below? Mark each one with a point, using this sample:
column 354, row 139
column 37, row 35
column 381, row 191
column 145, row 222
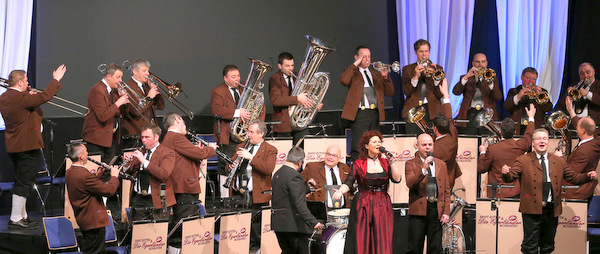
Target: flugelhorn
column 87, row 110
column 379, row 66
column 416, row 115
column 574, row 93
column 559, row 121
column 540, row 97
column 487, row 74
column 436, row 74
column 310, row 82
column 138, row 102
column 484, row 119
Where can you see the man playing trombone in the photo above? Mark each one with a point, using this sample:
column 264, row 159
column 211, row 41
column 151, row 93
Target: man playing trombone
column 139, row 83
column 23, row 117
column 100, row 128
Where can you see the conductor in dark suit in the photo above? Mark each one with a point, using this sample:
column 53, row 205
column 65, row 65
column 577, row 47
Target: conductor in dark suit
column 478, row 93
column 541, row 176
column 364, row 106
column 100, row 128
column 505, row 152
column 330, row 171
column 446, row 136
column 85, row 193
column 291, row 220
column 23, row 117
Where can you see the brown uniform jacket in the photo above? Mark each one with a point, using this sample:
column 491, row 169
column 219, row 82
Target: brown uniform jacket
column 503, row 153
column 316, row 171
column 279, row 95
column 583, row 159
column 468, row 90
column 446, row 148
column 593, row 104
column 23, row 117
column 517, row 110
column 99, row 123
column 185, row 175
column 160, row 168
column 223, row 105
column 417, row 184
column 353, row 79
column 527, row 168
column 85, row 192
column 132, row 120
column 413, row 94
column 263, row 165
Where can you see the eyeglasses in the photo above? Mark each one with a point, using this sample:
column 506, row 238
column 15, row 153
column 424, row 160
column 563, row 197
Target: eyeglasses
column 331, row 155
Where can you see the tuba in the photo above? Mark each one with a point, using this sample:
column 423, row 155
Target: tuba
column 484, row 119
column 437, row 74
column 559, row 121
column 313, row 84
column 252, row 99
column 416, row 115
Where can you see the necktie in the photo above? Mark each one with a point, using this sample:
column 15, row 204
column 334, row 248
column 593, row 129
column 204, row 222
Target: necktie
column 143, row 177
column 431, row 186
column 368, row 79
column 333, row 178
column 546, row 185
column 236, row 96
column 290, row 88
column 423, row 91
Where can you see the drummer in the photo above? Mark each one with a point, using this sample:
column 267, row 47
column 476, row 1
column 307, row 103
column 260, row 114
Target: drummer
column 330, row 171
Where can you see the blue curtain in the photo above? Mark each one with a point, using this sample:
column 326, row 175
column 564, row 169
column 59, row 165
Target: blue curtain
column 15, row 24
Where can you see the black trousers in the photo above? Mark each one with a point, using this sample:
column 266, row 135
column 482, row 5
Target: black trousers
column 92, row 241
column 412, row 128
column 142, row 207
column 182, row 209
column 296, row 136
column 292, row 242
column 539, row 231
column 429, row 225
column 106, row 153
column 27, row 165
column 366, row 120
column 255, row 225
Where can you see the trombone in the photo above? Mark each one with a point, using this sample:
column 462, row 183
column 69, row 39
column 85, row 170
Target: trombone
column 171, row 92
column 137, row 101
column 87, row 110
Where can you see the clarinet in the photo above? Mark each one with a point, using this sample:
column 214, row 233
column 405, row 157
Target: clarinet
column 107, row 167
column 220, row 153
column 234, row 170
column 125, row 162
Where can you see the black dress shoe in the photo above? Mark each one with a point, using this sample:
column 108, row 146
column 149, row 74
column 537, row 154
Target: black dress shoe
column 19, row 225
column 30, row 221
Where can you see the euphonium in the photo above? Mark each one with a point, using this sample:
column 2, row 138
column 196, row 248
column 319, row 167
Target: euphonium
column 252, row 99
column 484, row 119
column 574, row 93
column 453, row 238
column 313, row 84
column 487, row 74
column 437, row 74
column 559, row 121
column 416, row 115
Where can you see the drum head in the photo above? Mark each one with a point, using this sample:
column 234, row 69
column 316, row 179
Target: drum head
column 336, row 242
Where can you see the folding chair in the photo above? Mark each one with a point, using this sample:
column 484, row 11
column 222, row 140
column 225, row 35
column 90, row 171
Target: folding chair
column 594, row 217
column 111, row 237
column 60, row 234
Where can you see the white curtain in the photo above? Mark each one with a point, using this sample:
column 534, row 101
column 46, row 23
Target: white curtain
column 15, row 25
column 447, row 25
column 533, row 33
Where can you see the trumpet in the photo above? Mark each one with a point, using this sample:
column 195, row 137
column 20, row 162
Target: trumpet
column 171, row 92
column 379, row 66
column 540, row 97
column 416, row 115
column 87, row 110
column 574, row 93
column 487, row 74
column 437, row 74
column 107, row 167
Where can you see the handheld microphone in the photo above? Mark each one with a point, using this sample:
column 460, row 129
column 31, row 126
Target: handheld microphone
column 430, row 154
column 386, row 152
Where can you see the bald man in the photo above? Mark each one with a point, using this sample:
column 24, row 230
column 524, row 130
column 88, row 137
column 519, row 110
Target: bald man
column 478, row 93
column 330, row 171
column 429, row 197
column 589, row 104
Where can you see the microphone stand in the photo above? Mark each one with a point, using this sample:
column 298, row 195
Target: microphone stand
column 497, row 188
column 52, row 124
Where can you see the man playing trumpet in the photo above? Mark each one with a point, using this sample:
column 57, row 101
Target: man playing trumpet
column 521, row 96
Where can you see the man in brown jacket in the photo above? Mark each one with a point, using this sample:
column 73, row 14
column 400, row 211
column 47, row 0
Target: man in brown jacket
column 253, row 175
column 139, row 83
column 152, row 166
column 429, row 197
column 478, row 93
column 85, row 193
column 330, row 171
column 281, row 85
column 541, row 176
column 589, row 103
column 23, row 117
column 505, row 152
column 364, row 105
column 223, row 104
column 446, row 137
column 186, row 174
column 419, row 89
column 100, row 128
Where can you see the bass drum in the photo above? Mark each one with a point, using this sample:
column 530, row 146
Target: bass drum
column 331, row 241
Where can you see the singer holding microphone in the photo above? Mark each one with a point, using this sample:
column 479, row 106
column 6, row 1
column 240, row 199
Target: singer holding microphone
column 151, row 165
column 371, row 219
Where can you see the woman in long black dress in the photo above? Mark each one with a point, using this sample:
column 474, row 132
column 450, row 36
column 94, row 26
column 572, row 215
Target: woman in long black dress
column 371, row 219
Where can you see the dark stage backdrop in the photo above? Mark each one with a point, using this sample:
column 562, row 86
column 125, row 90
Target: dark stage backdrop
column 190, row 41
